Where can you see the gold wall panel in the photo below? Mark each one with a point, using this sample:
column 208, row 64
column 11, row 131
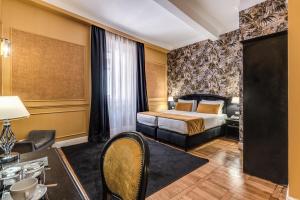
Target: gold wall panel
column 56, row 92
column 66, row 121
column 294, row 99
column 158, row 104
column 156, row 79
column 46, row 69
column 156, row 76
column 1, row 58
column 155, row 56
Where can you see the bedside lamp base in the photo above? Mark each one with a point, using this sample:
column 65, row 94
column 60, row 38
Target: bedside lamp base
column 7, row 141
column 13, row 156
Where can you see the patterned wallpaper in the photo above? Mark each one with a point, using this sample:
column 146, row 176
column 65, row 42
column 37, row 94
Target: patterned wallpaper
column 216, row 67
column 268, row 17
column 211, row 67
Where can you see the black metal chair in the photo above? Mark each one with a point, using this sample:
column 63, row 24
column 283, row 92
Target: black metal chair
column 37, row 140
column 23, row 147
column 124, row 167
column 41, row 139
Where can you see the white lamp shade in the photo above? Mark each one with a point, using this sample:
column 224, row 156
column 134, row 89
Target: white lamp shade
column 170, row 99
column 11, row 107
column 235, row 100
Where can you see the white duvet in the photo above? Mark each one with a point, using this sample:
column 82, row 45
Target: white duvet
column 146, row 119
column 210, row 120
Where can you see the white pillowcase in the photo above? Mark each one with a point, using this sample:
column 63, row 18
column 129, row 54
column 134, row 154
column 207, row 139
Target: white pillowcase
column 194, row 102
column 221, row 102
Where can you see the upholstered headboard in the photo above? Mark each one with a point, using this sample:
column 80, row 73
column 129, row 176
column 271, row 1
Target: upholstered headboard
column 211, row 97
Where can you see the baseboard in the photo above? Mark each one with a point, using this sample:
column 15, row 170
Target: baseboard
column 291, row 198
column 70, row 142
column 288, row 197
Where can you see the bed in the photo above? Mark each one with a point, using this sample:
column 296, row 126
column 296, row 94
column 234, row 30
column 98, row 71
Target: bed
column 175, row 131
column 147, row 125
column 210, row 121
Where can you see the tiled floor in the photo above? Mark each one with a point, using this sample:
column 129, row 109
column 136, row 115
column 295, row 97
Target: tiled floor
column 222, row 178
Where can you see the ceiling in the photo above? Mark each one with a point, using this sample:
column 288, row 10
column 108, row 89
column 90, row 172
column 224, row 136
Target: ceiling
column 167, row 23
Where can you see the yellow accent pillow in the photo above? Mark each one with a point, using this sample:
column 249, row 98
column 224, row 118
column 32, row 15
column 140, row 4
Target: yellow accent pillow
column 184, row 106
column 208, row 108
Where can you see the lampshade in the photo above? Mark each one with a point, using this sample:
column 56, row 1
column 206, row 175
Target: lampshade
column 235, row 100
column 11, row 107
column 170, row 99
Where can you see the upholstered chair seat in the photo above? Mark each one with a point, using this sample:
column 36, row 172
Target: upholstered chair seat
column 124, row 166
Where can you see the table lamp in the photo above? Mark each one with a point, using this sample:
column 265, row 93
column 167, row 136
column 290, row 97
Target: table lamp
column 170, row 99
column 235, row 100
column 11, row 108
column 171, row 102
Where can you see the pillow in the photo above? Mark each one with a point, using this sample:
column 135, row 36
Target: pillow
column 208, row 108
column 184, row 106
column 194, row 102
column 219, row 102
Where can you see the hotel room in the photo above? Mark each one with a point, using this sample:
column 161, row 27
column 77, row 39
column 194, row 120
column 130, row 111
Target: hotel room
column 149, row 99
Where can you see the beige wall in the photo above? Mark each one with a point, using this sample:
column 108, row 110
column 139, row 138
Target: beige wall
column 294, row 98
column 156, row 75
column 68, row 117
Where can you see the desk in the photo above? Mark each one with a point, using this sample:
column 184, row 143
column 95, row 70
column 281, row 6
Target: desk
column 60, row 172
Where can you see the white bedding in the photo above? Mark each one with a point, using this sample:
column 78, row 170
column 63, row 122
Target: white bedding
column 210, row 121
column 146, row 119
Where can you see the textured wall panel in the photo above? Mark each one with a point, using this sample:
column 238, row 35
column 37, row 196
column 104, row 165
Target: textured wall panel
column 156, row 76
column 46, row 69
column 67, row 122
column 156, row 80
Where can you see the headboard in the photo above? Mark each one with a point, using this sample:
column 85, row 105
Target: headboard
column 212, row 97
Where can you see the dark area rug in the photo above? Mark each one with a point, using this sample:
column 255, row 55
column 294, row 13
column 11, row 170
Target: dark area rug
column 167, row 164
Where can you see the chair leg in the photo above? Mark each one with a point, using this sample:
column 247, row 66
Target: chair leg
column 104, row 194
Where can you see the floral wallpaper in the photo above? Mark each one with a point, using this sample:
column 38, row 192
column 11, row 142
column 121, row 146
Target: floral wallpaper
column 216, row 67
column 211, row 67
column 266, row 18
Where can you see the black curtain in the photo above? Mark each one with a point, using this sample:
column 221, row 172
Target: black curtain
column 99, row 119
column 142, row 99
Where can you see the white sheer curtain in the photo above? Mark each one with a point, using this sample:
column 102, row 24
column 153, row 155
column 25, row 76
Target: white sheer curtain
column 122, row 66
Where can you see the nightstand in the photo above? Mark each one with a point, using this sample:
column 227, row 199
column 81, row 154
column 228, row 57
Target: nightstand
column 232, row 128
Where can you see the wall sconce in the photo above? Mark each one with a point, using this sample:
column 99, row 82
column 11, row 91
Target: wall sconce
column 5, row 47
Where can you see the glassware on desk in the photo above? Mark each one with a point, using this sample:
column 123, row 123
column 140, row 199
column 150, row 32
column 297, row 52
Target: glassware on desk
column 12, row 173
column 35, row 170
